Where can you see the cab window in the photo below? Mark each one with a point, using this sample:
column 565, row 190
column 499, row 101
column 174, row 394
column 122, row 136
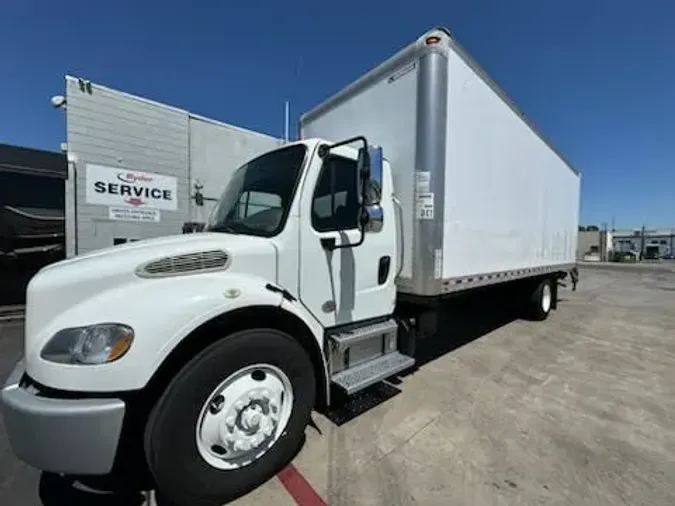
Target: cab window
column 254, row 202
column 336, row 205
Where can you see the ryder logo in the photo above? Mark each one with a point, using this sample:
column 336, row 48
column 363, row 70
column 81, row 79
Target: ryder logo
column 130, row 177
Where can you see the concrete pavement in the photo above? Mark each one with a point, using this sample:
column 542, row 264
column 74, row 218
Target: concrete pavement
column 579, row 409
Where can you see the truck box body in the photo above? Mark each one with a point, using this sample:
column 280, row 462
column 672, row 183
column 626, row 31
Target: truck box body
column 485, row 197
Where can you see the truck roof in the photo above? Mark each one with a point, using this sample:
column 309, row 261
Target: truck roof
column 408, row 53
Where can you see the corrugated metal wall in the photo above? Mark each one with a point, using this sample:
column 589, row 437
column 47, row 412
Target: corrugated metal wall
column 216, row 151
column 121, row 131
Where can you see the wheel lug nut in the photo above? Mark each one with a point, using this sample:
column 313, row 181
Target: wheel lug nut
column 217, row 404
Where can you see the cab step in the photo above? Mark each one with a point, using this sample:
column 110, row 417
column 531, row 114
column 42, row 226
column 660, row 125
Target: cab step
column 346, row 338
column 368, row 373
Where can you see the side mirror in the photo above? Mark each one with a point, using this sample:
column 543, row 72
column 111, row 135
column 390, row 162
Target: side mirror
column 362, row 173
column 376, row 170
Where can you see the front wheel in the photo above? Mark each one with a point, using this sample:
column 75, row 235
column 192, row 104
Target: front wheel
column 232, row 418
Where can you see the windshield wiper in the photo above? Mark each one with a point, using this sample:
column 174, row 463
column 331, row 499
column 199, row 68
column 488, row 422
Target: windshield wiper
column 236, row 227
column 225, row 227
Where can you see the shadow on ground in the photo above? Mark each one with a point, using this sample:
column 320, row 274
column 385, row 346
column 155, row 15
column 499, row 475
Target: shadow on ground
column 464, row 319
column 56, row 490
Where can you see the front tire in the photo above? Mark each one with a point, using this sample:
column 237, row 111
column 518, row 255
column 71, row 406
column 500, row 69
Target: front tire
column 231, row 418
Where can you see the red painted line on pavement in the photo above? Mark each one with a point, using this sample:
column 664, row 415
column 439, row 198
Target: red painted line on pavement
column 295, row 484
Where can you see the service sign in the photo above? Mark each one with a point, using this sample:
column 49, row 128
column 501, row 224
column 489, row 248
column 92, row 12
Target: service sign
column 114, row 186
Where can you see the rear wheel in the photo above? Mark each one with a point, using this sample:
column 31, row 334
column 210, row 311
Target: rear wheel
column 232, row 418
column 541, row 300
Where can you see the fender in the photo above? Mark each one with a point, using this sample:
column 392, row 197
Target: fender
column 161, row 312
column 301, row 312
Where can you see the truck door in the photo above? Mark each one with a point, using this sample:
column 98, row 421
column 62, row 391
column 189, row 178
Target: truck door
column 349, row 284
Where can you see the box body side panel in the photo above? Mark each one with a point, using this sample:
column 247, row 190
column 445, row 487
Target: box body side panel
column 512, row 203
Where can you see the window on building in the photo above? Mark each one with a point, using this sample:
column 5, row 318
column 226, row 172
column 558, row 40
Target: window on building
column 123, row 240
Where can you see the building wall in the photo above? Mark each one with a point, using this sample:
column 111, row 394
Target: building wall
column 594, row 245
column 216, row 151
column 632, row 240
column 117, row 130
column 164, row 146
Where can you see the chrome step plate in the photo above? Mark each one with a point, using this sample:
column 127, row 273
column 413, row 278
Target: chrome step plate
column 346, row 338
column 362, row 376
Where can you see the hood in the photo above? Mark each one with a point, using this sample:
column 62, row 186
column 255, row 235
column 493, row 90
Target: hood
column 63, row 284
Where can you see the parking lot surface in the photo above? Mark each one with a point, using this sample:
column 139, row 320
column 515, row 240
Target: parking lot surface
column 579, row 409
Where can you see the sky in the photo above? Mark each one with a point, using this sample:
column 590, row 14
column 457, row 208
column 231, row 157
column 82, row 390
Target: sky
column 597, row 76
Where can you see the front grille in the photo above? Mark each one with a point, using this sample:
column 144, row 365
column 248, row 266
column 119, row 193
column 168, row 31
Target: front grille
column 191, row 263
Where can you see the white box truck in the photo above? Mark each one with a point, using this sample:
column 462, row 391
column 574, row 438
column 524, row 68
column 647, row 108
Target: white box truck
column 203, row 355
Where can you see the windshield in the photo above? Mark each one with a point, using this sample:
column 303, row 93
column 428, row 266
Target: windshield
column 257, row 198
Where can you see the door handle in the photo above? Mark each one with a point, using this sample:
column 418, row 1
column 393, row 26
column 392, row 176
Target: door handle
column 383, row 269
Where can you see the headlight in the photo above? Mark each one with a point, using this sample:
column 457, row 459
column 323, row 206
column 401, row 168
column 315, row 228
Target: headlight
column 90, row 345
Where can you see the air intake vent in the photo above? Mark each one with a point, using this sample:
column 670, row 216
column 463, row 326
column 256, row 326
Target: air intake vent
column 191, row 263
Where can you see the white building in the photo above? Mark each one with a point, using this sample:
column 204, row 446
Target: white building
column 652, row 243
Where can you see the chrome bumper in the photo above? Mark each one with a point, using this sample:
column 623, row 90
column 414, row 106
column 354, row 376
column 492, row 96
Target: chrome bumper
column 72, row 436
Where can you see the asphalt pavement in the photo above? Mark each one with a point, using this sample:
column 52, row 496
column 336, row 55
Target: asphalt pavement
column 574, row 410
column 17, row 480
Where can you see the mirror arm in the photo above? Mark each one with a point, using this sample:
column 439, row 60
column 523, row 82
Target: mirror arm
column 324, row 149
column 330, row 245
column 364, row 176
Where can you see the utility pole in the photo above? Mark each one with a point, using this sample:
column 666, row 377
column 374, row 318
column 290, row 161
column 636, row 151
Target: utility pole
column 287, row 121
column 642, row 242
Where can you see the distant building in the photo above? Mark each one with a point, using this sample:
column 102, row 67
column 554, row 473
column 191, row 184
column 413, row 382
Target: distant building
column 594, row 246
column 649, row 243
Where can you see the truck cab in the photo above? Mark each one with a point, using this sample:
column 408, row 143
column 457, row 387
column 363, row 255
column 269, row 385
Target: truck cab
column 334, row 251
column 220, row 343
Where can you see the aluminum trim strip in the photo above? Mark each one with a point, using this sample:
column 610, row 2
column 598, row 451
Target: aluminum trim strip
column 492, row 278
